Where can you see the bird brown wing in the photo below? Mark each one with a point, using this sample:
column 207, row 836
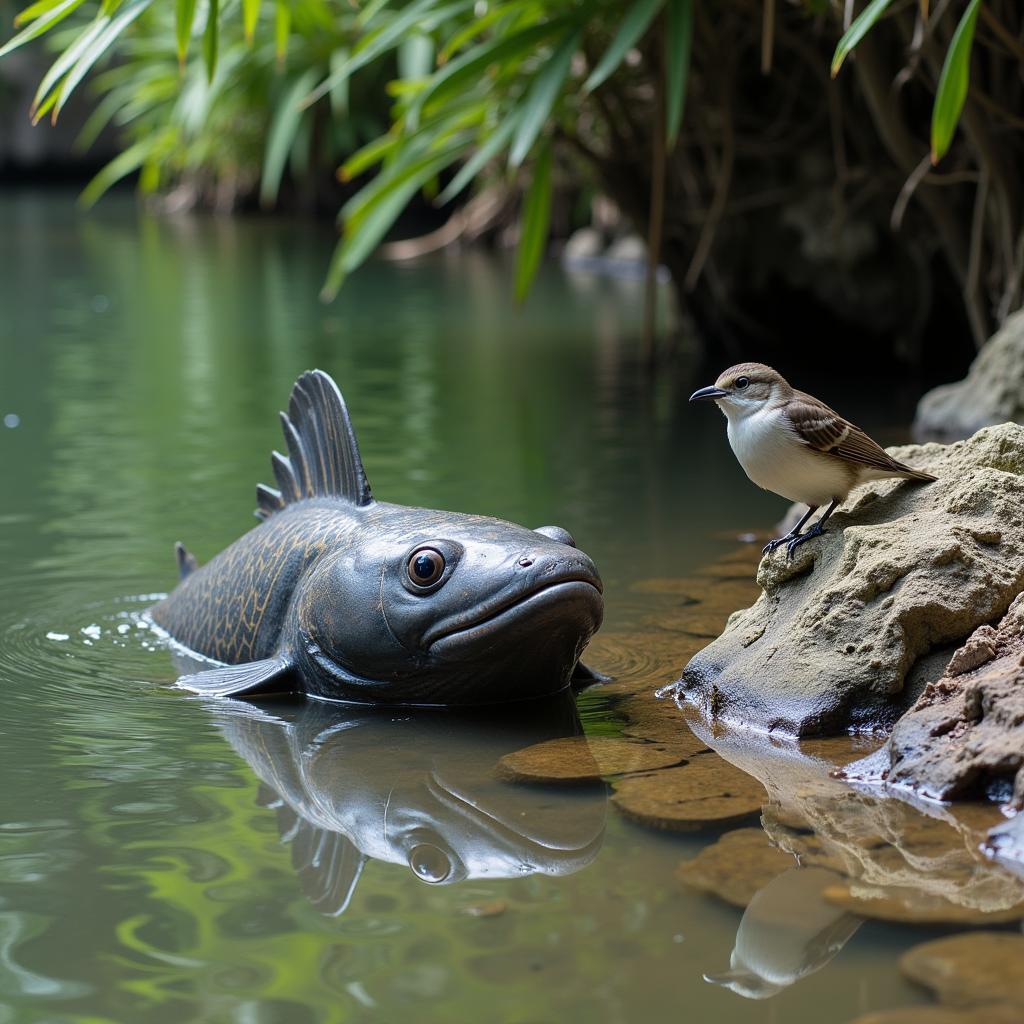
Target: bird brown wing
column 824, row 430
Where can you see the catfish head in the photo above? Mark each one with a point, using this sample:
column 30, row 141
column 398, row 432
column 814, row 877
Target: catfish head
column 437, row 607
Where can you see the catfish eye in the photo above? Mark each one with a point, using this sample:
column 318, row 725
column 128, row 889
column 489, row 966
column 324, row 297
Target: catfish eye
column 741, row 383
column 429, row 863
column 426, row 567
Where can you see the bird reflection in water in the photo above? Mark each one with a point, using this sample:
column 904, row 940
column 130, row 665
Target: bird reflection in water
column 414, row 787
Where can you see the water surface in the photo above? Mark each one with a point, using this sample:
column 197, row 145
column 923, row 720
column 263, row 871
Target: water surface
column 168, row 859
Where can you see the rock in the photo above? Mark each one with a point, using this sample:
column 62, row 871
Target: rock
column 910, row 908
column 992, row 392
column 583, row 244
column 1006, row 843
column 736, row 867
column 627, row 249
column 1001, row 1014
column 964, row 737
column 706, row 791
column 970, row 969
column 838, row 630
column 578, row 759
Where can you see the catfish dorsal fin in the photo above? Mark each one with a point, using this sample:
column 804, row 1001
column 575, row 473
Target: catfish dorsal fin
column 323, row 457
column 187, row 563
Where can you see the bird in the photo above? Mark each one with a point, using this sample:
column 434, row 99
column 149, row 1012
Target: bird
column 793, row 444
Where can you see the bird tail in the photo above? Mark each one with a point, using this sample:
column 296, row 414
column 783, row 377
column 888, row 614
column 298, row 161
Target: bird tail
column 914, row 474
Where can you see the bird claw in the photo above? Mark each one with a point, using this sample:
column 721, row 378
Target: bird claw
column 797, row 541
column 777, row 543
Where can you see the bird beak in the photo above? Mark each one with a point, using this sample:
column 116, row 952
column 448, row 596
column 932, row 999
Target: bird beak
column 711, row 392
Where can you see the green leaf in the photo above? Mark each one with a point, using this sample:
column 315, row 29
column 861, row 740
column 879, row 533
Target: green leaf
column 184, row 19
column 469, row 170
column 678, row 46
column 123, row 164
column 282, row 29
column 371, row 220
column 339, row 91
column 540, row 98
column 281, row 135
column 476, row 27
column 475, row 62
column 210, row 35
column 633, row 26
column 33, row 11
column 415, row 56
column 363, row 159
column 40, row 25
column 536, row 220
column 953, row 83
column 250, row 16
column 97, row 48
column 66, row 61
column 860, row 27
column 373, row 44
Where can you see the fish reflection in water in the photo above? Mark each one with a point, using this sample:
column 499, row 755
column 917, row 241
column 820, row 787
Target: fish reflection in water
column 413, row 787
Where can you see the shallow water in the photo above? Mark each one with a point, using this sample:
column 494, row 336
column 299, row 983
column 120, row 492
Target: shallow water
column 168, row 859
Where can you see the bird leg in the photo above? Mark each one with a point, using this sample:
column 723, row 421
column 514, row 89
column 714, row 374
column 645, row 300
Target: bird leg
column 815, row 531
column 792, row 535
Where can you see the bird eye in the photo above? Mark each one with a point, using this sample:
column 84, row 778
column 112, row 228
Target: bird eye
column 741, row 383
column 426, row 567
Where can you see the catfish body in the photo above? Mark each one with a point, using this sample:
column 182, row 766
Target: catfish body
column 340, row 596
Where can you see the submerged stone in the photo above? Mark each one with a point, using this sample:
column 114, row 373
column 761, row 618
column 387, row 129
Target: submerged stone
column 706, row 791
column 736, row 867
column 970, row 969
column 964, row 737
column 903, row 569
column 580, row 759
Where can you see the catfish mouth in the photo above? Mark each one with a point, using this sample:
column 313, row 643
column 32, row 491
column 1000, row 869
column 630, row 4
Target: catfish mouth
column 580, row 593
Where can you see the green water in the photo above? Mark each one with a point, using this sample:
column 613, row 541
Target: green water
column 143, row 874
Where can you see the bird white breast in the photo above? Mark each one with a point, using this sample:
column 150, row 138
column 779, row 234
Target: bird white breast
column 774, row 459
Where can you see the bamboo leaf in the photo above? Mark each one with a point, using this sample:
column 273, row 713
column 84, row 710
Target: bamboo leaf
column 953, row 83
column 415, row 56
column 373, row 44
column 860, row 27
column 33, row 11
column 210, row 39
column 97, row 48
column 367, row 223
column 678, row 47
column 40, row 25
column 540, row 98
column 185, row 16
column 339, row 91
column 476, row 27
column 65, row 62
column 470, row 65
column 123, row 164
column 536, row 220
column 633, row 26
column 469, row 170
column 284, row 128
column 250, row 16
column 282, row 29
column 363, row 159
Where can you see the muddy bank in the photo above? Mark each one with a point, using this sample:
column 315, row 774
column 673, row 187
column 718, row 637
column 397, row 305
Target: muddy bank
column 855, row 626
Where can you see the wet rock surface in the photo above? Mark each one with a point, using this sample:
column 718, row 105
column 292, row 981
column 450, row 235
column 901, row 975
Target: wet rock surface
column 582, row 759
column 971, row 969
column 914, row 908
column 836, row 635
column 992, row 392
column 736, row 867
column 964, row 737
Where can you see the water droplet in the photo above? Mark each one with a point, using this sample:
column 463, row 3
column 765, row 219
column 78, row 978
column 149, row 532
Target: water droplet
column 57, row 636
column 12, row 420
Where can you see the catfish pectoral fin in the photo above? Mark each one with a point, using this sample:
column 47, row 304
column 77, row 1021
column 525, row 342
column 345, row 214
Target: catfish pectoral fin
column 583, row 676
column 272, row 675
